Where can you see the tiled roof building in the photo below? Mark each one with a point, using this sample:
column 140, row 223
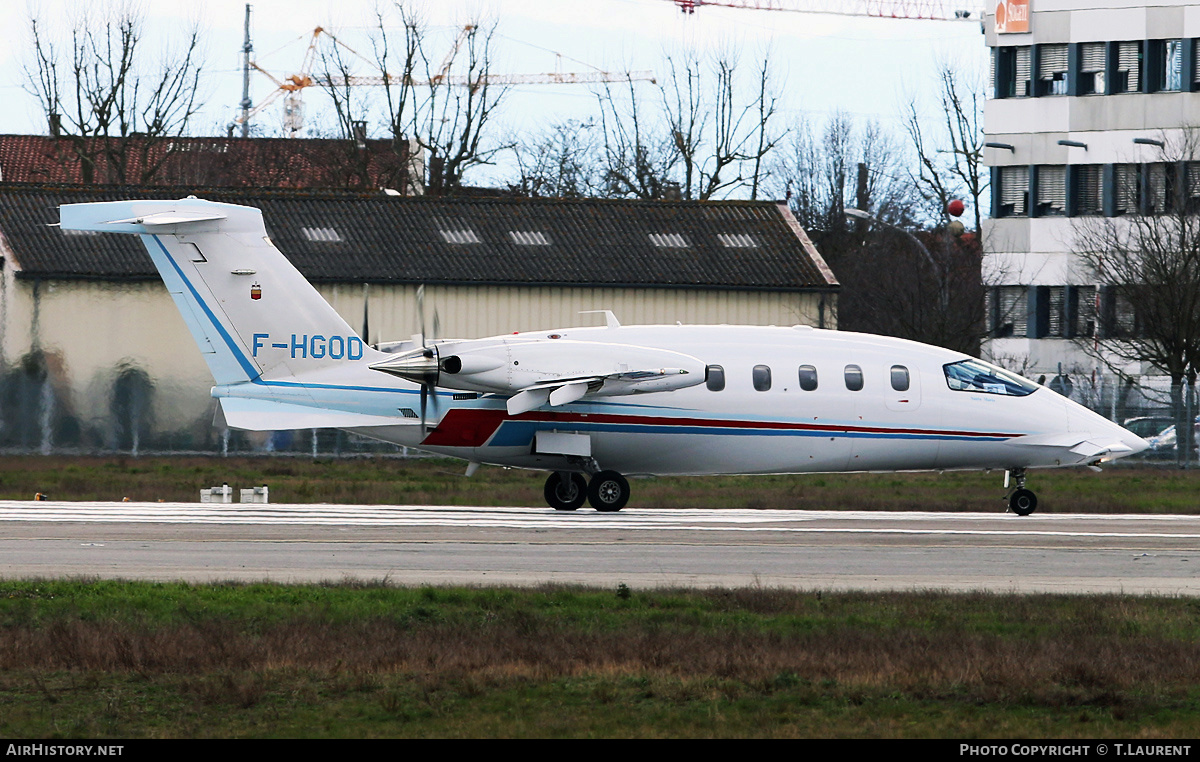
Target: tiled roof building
column 374, row 238
column 210, row 162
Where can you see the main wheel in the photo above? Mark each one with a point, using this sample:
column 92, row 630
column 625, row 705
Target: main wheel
column 608, row 491
column 565, row 494
column 1023, row 502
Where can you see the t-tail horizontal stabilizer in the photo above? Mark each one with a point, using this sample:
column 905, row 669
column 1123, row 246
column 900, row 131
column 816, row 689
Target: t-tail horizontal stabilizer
column 271, row 415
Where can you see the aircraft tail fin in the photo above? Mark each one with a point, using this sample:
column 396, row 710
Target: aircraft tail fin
column 248, row 308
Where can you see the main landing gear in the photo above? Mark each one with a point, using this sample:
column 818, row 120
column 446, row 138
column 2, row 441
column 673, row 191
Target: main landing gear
column 608, row 491
column 1022, row 501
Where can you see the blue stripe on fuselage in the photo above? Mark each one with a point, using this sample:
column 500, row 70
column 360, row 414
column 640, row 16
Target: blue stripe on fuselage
column 520, row 433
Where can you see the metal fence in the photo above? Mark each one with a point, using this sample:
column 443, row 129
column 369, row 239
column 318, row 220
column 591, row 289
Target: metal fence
column 40, row 412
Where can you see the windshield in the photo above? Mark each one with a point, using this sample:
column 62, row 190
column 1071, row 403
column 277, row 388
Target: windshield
column 978, row 376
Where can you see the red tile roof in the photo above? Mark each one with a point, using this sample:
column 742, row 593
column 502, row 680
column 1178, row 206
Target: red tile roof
column 204, row 162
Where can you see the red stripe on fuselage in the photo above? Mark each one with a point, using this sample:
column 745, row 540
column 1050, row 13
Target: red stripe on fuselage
column 473, row 427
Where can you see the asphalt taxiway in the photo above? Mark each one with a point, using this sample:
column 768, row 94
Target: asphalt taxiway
column 417, row 545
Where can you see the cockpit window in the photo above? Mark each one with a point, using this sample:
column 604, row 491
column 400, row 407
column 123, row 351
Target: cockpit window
column 978, row 376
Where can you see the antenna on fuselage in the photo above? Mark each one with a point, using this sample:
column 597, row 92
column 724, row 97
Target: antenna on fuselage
column 610, row 319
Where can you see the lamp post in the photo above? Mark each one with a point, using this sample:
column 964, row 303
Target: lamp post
column 939, row 269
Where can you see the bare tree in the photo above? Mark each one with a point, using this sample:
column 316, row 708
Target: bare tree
column 453, row 122
column 106, row 97
column 925, row 286
column 950, row 162
column 444, row 103
column 897, row 278
column 560, row 163
column 639, row 154
column 712, row 139
column 845, row 166
column 721, row 138
column 1147, row 263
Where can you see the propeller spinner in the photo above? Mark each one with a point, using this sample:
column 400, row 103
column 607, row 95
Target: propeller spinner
column 421, row 366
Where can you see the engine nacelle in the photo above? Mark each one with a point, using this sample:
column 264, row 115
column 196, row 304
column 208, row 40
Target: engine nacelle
column 510, row 365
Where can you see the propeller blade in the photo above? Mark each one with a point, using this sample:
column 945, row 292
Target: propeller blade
column 437, row 326
column 366, row 331
column 421, row 311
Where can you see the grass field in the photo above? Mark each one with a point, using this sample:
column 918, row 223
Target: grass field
column 134, row 660
column 392, row 481
column 112, row 659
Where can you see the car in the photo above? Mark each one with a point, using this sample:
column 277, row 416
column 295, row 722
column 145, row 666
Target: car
column 1162, row 444
column 1146, row 426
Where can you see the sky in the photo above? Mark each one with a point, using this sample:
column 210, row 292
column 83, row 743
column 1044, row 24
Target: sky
column 823, row 64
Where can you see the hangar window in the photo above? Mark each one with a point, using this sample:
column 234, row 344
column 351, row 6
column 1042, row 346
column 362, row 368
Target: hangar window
column 808, row 378
column 714, row 378
column 464, row 235
column 900, row 378
column 669, row 240
column 737, row 241
column 854, row 378
column 762, row 378
column 529, row 238
column 321, row 235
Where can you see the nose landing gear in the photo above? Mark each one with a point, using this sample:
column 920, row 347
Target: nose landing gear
column 1021, row 501
column 608, row 491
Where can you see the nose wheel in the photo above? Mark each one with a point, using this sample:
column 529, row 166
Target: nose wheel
column 1022, row 501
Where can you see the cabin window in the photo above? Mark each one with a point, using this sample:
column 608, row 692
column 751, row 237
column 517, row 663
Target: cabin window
column 714, row 378
column 978, row 376
column 808, row 378
column 900, row 378
column 762, row 378
column 854, row 378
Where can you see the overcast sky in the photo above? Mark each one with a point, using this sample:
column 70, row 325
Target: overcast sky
column 867, row 67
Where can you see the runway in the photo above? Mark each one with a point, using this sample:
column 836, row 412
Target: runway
column 643, row 548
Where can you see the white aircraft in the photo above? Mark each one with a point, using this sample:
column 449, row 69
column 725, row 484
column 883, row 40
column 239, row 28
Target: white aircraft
column 592, row 405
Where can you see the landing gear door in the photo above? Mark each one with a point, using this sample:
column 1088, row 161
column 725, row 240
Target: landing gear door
column 902, row 390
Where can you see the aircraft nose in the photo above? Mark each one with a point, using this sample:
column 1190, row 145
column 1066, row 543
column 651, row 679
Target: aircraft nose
column 1133, row 442
column 1104, row 432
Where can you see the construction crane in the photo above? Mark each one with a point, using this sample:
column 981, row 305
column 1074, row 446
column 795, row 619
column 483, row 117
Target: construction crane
column 292, row 86
column 928, row 10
